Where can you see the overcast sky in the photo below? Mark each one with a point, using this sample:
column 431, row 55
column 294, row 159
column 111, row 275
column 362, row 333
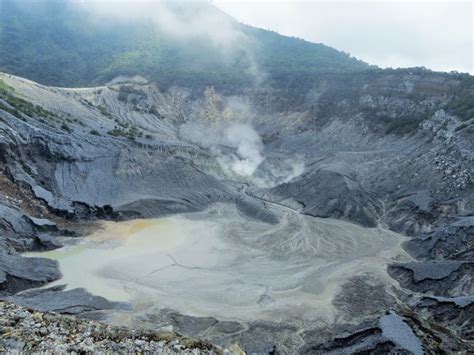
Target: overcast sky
column 434, row 34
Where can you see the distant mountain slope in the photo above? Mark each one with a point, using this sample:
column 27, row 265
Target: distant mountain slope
column 63, row 43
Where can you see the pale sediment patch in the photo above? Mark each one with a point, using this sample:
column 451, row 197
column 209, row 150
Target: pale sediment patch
column 218, row 263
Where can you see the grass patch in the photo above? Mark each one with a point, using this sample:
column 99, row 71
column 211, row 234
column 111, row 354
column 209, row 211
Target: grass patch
column 19, row 105
column 4, row 88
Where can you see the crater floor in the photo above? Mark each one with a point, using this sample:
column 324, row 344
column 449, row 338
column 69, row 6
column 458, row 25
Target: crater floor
column 221, row 264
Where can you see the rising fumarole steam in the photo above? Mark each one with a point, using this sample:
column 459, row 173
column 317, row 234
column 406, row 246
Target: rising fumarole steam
column 239, row 150
column 249, row 147
column 238, row 147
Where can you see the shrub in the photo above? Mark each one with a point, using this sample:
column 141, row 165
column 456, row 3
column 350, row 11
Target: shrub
column 104, row 111
column 462, row 106
column 115, row 132
column 130, row 133
column 66, row 128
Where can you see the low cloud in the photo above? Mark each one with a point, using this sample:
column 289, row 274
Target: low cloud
column 186, row 20
column 437, row 34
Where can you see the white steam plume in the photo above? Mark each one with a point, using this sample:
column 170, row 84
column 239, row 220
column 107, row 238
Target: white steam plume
column 237, row 146
column 249, row 148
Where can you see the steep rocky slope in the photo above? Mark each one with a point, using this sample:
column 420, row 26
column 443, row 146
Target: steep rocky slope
column 389, row 148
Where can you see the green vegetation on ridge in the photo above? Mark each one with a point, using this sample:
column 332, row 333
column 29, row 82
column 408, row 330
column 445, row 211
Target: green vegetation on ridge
column 18, row 106
column 56, row 43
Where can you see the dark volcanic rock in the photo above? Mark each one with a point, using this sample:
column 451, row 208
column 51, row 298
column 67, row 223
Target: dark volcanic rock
column 44, row 225
column 454, row 313
column 21, row 232
column 452, row 241
column 395, row 333
column 18, row 273
column 14, row 222
column 76, row 301
column 47, row 242
column 328, row 191
column 399, row 332
column 442, row 277
column 259, row 338
column 434, row 270
column 365, row 341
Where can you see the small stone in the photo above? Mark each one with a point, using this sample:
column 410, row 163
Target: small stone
column 37, row 317
column 6, row 330
column 20, row 315
column 139, row 342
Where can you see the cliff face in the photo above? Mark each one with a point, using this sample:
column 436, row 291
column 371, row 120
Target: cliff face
column 383, row 148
